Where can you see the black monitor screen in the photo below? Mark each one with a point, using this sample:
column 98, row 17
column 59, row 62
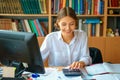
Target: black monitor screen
column 21, row 47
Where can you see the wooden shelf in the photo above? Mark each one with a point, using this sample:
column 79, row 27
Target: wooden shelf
column 26, row 15
column 114, row 15
column 113, row 7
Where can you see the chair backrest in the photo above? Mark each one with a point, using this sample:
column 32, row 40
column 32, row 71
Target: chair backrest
column 96, row 55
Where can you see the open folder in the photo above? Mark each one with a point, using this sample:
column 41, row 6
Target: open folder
column 103, row 68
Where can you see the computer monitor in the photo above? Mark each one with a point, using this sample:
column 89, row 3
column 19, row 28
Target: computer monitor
column 21, row 47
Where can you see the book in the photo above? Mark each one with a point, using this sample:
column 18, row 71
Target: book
column 44, row 28
column 97, row 30
column 64, row 3
column 70, row 3
column 67, row 3
column 56, row 6
column 93, row 29
column 38, row 29
column 33, row 27
column 73, row 2
column 42, row 6
column 103, row 68
column 92, row 7
column 76, row 6
column 19, row 25
column 14, row 26
column 5, row 24
column 27, row 25
column 23, row 25
column 81, row 7
column 17, row 7
column 92, row 20
column 89, row 6
column 89, row 30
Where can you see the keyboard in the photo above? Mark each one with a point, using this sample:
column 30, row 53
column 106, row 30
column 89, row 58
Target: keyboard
column 72, row 72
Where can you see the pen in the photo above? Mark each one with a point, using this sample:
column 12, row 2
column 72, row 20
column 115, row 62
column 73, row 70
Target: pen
column 35, row 76
column 102, row 73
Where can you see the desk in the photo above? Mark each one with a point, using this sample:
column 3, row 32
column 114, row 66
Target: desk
column 55, row 73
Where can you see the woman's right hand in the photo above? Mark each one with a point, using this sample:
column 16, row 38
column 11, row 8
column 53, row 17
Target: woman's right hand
column 77, row 65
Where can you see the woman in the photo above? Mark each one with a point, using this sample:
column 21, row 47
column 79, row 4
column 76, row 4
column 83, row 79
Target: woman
column 67, row 47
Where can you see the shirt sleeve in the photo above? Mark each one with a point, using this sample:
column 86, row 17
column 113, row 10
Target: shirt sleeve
column 45, row 49
column 85, row 56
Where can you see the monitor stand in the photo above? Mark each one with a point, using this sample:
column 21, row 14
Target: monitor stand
column 19, row 68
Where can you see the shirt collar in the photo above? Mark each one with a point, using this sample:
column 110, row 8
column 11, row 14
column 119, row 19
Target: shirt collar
column 60, row 37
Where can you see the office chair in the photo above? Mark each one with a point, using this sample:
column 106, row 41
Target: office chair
column 96, row 55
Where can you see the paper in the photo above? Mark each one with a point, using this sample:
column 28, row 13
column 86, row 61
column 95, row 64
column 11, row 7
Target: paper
column 8, row 71
column 103, row 68
column 55, row 74
column 107, row 77
column 104, row 77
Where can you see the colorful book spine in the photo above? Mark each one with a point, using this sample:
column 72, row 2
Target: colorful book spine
column 33, row 27
column 101, row 9
column 5, row 24
column 76, row 6
column 73, row 2
column 70, row 3
column 40, row 27
column 14, row 26
column 89, row 30
column 93, row 29
column 23, row 25
column 89, row 6
column 97, row 30
column 81, row 11
column 44, row 28
column 56, row 6
column 27, row 25
column 92, row 20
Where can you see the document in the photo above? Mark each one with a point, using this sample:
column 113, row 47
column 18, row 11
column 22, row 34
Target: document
column 105, row 77
column 55, row 74
column 103, row 68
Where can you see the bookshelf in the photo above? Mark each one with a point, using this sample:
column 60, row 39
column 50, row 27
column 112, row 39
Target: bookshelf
column 106, row 44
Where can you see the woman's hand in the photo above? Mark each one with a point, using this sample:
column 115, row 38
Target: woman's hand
column 77, row 65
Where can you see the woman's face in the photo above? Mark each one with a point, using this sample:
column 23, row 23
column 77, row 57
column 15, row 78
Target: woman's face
column 67, row 25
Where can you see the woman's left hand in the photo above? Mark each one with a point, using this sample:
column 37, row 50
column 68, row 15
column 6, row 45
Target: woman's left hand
column 77, row 65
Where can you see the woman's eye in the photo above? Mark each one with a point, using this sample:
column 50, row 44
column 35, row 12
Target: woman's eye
column 71, row 23
column 63, row 24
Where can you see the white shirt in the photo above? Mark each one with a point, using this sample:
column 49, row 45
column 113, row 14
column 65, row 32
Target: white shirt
column 60, row 53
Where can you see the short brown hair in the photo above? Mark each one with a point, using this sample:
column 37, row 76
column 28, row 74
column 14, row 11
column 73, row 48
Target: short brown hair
column 66, row 11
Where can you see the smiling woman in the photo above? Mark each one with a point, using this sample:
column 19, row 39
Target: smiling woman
column 62, row 47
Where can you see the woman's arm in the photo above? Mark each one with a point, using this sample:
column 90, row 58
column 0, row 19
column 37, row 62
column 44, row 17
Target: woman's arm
column 85, row 58
column 45, row 49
